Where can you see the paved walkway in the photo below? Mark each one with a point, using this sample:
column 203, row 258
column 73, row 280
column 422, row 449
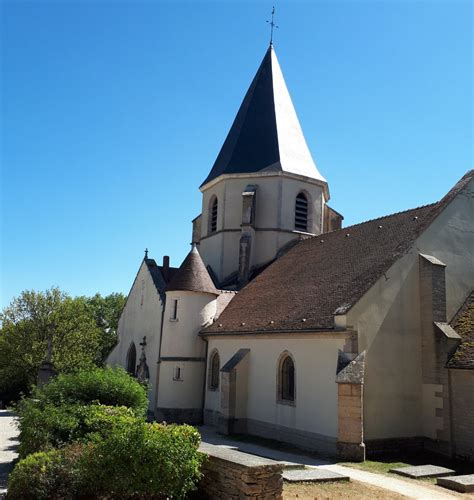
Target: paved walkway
column 294, row 459
column 8, row 445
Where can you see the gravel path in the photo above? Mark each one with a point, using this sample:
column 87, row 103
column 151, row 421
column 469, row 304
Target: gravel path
column 409, row 489
column 8, row 445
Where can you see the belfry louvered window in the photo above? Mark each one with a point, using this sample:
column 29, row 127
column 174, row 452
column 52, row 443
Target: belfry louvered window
column 213, row 216
column 301, row 213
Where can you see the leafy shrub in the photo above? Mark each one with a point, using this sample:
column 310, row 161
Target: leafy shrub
column 45, row 475
column 145, row 459
column 107, row 386
column 43, row 427
column 139, row 460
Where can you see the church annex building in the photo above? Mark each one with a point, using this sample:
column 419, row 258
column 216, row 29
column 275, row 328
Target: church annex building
column 282, row 324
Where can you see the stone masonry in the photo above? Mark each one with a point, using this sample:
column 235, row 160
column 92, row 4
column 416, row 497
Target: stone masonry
column 229, row 474
column 462, row 384
column 437, row 345
column 350, row 387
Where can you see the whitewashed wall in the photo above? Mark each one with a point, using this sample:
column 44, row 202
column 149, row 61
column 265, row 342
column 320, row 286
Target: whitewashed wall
column 181, row 340
column 141, row 316
column 315, row 409
column 275, row 210
column 388, row 319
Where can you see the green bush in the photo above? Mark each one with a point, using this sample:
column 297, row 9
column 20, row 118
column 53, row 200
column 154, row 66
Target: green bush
column 45, row 426
column 146, row 459
column 139, row 460
column 45, row 475
column 107, row 386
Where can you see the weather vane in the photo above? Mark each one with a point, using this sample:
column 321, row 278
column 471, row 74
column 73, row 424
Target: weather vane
column 273, row 25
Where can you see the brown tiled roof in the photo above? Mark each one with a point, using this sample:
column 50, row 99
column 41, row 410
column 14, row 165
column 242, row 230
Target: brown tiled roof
column 192, row 275
column 304, row 288
column 463, row 323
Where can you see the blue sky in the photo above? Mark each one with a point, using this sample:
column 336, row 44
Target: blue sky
column 113, row 113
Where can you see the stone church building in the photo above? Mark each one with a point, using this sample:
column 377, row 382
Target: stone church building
column 282, row 324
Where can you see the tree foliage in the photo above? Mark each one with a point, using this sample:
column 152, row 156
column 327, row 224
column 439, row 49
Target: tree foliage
column 106, row 312
column 80, row 329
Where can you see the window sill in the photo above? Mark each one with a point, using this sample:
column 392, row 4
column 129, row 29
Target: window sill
column 286, row 402
column 304, row 233
column 174, row 320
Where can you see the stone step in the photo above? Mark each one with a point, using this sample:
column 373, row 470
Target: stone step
column 318, row 475
column 423, row 471
column 464, row 484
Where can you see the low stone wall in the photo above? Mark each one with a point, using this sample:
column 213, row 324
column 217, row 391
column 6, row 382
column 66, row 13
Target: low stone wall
column 390, row 446
column 192, row 416
column 230, row 474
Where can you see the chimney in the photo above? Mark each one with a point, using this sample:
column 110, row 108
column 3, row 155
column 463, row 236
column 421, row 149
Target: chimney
column 166, row 267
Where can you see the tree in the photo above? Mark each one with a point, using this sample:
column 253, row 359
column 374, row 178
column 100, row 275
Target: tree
column 106, row 312
column 28, row 322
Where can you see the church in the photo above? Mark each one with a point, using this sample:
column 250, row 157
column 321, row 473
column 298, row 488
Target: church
column 281, row 323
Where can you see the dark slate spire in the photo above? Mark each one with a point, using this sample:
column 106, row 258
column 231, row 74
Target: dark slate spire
column 192, row 275
column 266, row 134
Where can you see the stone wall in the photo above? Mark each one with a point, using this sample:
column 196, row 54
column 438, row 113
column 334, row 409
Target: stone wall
column 229, row 474
column 462, row 390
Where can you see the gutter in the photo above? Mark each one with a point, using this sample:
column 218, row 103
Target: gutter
column 205, row 334
column 204, row 385
column 159, row 355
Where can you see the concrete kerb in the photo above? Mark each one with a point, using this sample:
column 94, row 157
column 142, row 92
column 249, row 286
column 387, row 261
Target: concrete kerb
column 423, row 471
column 463, row 484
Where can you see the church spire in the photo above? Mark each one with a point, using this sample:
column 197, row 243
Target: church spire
column 266, row 135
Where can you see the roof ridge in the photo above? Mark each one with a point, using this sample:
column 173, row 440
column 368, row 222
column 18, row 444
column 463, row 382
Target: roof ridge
column 377, row 219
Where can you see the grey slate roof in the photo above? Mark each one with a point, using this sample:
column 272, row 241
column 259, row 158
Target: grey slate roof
column 159, row 279
column 192, row 276
column 266, row 134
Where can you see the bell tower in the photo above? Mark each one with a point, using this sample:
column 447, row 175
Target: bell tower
column 264, row 191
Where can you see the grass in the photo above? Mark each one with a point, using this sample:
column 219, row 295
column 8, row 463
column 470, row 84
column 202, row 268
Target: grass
column 382, row 464
column 382, row 467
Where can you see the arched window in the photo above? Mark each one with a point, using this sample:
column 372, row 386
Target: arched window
column 213, row 215
column 214, row 369
column 286, row 379
column 301, row 212
column 132, row 359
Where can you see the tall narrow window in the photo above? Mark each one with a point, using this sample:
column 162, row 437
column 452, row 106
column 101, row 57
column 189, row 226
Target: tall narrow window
column 214, row 371
column 286, row 380
column 174, row 310
column 132, row 359
column 178, row 372
column 213, row 216
column 301, row 213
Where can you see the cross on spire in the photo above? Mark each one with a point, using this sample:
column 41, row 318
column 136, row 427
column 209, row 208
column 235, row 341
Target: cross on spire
column 273, row 25
column 146, row 253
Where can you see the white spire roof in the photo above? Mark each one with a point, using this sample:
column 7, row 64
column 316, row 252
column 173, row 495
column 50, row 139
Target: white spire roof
column 266, row 134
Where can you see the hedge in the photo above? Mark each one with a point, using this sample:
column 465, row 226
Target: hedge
column 43, row 427
column 107, row 386
column 140, row 461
